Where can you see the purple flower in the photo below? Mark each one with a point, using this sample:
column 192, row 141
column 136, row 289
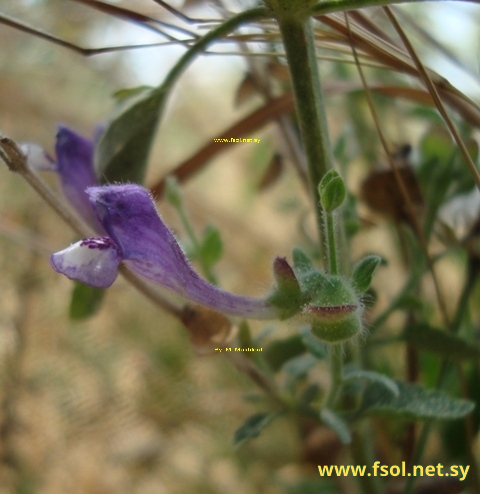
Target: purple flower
column 76, row 171
column 74, row 165
column 138, row 237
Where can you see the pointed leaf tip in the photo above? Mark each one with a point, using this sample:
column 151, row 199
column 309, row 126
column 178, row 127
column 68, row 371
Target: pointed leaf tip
column 363, row 272
column 302, row 264
column 287, row 296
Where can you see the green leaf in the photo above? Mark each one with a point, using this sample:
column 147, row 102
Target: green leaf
column 299, row 367
column 280, row 351
column 211, row 248
column 332, row 191
column 309, row 394
column 363, row 272
column 302, row 264
column 435, row 173
column 86, row 301
column 129, row 92
column 455, row 437
column 436, row 144
column 409, row 302
column 338, row 425
column 122, row 153
column 461, row 178
column 372, row 377
column 350, row 216
column 439, row 341
column 315, row 346
column 245, row 335
column 413, row 403
column 253, row 426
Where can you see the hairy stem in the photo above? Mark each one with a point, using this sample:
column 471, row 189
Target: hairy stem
column 335, row 363
column 331, row 243
column 297, row 38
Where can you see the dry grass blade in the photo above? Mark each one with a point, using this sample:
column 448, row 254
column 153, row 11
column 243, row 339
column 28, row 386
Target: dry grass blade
column 469, row 427
column 262, row 79
column 21, row 26
column 86, row 52
column 362, row 20
column 136, row 17
column 435, row 43
column 259, row 118
column 424, row 74
column 392, row 57
column 402, row 187
column 180, row 15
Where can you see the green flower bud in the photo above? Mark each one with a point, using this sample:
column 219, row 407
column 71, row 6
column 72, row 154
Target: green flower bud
column 335, row 314
column 332, row 191
column 287, row 296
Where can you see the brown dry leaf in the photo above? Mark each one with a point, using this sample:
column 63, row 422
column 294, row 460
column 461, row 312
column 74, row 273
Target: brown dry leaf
column 246, row 90
column 321, row 446
column 381, row 192
column 279, row 72
column 208, row 329
column 272, row 173
column 472, row 244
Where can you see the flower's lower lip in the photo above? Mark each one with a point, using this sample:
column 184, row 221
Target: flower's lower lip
column 333, row 312
column 93, row 261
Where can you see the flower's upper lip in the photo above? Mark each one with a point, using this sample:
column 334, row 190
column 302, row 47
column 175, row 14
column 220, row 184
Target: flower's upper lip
column 75, row 168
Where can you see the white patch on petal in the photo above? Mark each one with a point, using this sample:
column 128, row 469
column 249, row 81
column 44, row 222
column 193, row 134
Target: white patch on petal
column 93, row 261
column 37, row 157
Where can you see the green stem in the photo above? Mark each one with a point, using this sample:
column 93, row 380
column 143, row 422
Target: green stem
column 462, row 307
column 196, row 245
column 335, row 361
column 188, row 228
column 202, row 44
column 331, row 243
column 363, row 454
column 298, row 40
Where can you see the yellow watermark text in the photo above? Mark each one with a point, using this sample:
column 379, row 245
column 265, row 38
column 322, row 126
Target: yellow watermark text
column 379, row 470
column 238, row 349
column 236, row 140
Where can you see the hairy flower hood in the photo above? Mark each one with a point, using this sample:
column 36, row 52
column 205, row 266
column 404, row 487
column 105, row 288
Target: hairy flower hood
column 139, row 237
